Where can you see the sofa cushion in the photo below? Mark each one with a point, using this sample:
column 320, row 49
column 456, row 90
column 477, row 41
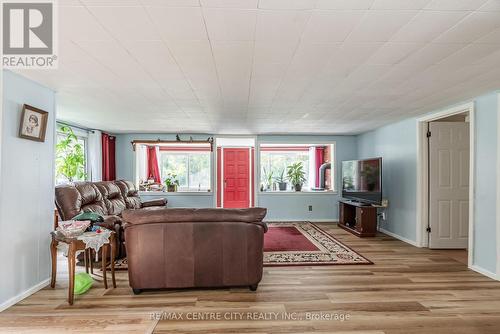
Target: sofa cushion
column 129, row 193
column 165, row 215
column 112, row 197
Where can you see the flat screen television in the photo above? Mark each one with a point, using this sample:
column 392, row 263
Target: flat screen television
column 362, row 180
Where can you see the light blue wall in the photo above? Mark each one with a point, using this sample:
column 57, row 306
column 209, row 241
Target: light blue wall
column 26, row 191
column 397, row 145
column 125, row 169
column 280, row 206
column 295, row 206
column 485, row 179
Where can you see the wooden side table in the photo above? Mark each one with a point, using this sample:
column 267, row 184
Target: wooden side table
column 75, row 245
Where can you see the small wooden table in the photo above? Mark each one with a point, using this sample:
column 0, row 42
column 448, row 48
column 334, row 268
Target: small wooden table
column 75, row 245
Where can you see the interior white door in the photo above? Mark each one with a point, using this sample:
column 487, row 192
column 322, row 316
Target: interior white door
column 449, row 184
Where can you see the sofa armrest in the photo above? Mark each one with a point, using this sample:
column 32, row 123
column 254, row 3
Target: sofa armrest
column 154, row 202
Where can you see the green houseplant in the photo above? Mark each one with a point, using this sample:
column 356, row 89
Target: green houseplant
column 296, row 175
column 171, row 182
column 281, row 180
column 268, row 178
column 70, row 156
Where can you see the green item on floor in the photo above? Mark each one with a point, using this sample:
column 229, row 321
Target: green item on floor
column 92, row 216
column 83, row 282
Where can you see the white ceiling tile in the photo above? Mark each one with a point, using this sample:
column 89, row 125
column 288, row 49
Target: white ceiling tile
column 344, row 4
column 431, row 54
column 117, row 21
column 281, row 25
column 230, row 24
column 287, row 4
column 78, row 24
column 399, row 4
column 455, row 4
column 491, row 5
column 474, row 26
column 171, row 3
column 427, row 25
column 178, row 24
column 247, row 4
column 274, row 51
column 492, row 37
column 471, row 54
column 379, row 26
column 393, row 53
column 331, row 26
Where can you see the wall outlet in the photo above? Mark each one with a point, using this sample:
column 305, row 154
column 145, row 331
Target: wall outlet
column 310, row 207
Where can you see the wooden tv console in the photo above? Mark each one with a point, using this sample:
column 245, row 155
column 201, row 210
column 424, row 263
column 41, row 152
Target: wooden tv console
column 358, row 218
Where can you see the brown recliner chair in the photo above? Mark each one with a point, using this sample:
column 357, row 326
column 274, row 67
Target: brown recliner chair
column 104, row 198
column 183, row 248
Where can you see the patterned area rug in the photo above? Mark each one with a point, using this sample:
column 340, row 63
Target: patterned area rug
column 303, row 243
column 297, row 244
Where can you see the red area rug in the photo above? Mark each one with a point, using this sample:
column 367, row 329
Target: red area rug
column 303, row 243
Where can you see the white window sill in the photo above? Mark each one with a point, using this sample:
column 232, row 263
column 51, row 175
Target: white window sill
column 299, row 193
column 177, row 193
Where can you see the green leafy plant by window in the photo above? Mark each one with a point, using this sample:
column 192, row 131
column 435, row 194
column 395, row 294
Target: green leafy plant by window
column 296, row 175
column 70, row 156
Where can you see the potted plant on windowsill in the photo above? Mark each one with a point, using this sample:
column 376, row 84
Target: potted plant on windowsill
column 268, row 177
column 171, row 182
column 296, row 175
column 281, row 180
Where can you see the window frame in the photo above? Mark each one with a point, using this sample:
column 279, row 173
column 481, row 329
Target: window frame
column 80, row 134
column 335, row 164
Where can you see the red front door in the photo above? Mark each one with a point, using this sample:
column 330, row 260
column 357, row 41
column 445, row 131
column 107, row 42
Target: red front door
column 236, row 178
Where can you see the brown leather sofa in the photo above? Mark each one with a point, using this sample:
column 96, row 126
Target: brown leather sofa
column 109, row 199
column 185, row 248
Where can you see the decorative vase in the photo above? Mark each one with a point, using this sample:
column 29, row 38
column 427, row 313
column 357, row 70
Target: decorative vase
column 172, row 188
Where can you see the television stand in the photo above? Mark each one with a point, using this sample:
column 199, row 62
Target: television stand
column 358, row 218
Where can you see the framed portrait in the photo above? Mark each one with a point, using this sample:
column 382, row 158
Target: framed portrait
column 33, row 123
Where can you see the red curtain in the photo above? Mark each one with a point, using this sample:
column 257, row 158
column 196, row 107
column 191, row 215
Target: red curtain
column 319, row 161
column 108, row 157
column 153, row 167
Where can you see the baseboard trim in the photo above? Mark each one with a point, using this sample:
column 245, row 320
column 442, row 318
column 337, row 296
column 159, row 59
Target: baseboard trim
column 484, row 272
column 302, row 220
column 396, row 236
column 8, row 303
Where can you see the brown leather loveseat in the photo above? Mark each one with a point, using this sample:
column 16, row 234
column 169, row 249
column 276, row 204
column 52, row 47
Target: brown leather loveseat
column 184, row 248
column 108, row 198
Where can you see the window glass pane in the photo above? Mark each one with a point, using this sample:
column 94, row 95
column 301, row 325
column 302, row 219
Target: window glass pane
column 274, row 163
column 175, row 164
column 192, row 169
column 71, row 159
column 199, row 171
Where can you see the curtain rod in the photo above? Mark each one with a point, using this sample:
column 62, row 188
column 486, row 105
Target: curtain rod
column 75, row 126
column 209, row 140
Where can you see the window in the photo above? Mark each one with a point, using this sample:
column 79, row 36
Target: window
column 192, row 168
column 71, row 155
column 313, row 160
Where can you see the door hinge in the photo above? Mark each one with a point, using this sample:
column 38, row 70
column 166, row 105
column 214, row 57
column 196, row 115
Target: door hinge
column 428, row 229
column 428, row 134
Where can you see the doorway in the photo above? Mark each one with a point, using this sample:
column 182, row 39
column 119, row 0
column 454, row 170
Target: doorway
column 235, row 172
column 445, row 181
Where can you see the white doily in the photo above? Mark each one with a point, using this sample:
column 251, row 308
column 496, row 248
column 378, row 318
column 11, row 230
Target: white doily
column 91, row 239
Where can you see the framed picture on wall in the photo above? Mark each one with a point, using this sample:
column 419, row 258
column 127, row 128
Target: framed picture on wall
column 33, row 123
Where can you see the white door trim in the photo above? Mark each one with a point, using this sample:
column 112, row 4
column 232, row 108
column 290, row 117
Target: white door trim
column 422, row 174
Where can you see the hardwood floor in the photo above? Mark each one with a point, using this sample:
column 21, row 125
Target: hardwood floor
column 408, row 290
